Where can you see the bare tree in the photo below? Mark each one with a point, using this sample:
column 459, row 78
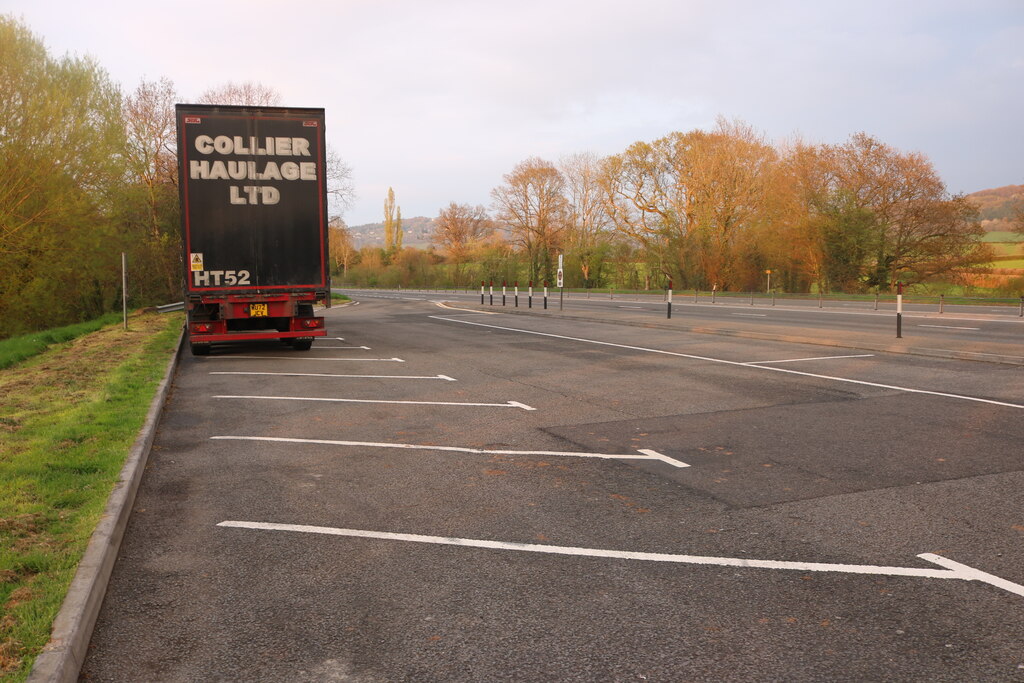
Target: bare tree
column 458, row 228
column 532, row 206
column 340, row 188
column 249, row 93
column 150, row 150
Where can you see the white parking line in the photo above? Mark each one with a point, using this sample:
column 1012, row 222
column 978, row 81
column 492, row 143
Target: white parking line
column 954, row 570
column 951, row 327
column 738, row 363
column 316, row 374
column 364, row 348
column 384, row 360
column 645, row 453
column 796, row 360
column 507, row 404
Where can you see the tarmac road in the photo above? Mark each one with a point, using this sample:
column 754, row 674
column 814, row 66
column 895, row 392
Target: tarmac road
column 601, row 502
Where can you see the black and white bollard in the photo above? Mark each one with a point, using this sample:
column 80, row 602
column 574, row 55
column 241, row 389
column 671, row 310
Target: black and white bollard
column 545, row 295
column 517, row 293
column 529, row 296
column 503, row 292
column 481, row 292
column 899, row 310
column 669, row 299
column 491, row 292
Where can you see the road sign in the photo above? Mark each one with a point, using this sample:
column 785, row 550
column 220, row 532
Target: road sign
column 560, row 281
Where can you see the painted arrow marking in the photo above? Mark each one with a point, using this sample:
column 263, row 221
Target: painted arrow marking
column 644, row 453
column 320, row 374
column 953, row 570
column 507, row 404
column 358, row 360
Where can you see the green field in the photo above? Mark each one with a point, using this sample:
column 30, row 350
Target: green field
column 1002, row 236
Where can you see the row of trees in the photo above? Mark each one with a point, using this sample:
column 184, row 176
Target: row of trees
column 87, row 173
column 718, row 209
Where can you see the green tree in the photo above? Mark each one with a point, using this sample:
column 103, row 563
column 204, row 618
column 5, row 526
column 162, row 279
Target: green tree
column 399, row 233
column 62, row 147
column 389, row 221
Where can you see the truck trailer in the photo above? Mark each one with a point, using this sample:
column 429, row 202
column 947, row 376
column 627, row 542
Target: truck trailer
column 252, row 185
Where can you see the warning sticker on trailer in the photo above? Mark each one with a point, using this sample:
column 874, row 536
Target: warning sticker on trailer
column 197, row 261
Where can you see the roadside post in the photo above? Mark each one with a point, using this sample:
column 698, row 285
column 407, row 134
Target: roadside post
column 545, row 295
column 481, row 292
column 1021, row 314
column 529, row 297
column 517, row 293
column 769, row 287
column 669, row 299
column 942, row 300
column 124, row 288
column 899, row 310
column 561, row 284
column 502, row 292
column 492, row 292
column 714, row 289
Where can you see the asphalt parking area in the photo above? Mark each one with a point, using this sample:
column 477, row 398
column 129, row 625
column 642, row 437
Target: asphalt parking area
column 427, row 527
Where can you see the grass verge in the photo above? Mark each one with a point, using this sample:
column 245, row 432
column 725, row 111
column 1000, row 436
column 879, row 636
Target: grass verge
column 68, row 418
column 339, row 297
column 17, row 349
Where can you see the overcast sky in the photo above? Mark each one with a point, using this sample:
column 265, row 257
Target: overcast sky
column 440, row 98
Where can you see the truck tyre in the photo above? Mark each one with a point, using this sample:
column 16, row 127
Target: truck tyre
column 200, row 349
column 302, row 345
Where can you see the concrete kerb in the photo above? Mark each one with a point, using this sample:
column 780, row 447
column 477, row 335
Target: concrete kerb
column 62, row 657
column 816, row 341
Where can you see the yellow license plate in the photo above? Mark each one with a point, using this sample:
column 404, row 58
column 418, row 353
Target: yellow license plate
column 258, row 311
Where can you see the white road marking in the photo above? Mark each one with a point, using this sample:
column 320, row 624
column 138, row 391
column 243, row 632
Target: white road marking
column 752, row 315
column 386, row 360
column 365, row 348
column 640, row 307
column 644, row 453
column 441, row 304
column 950, row 327
column 508, row 404
column 796, row 360
column 954, row 570
column 316, row 374
column 738, row 363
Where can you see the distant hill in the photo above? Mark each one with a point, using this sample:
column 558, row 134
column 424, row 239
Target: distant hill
column 417, row 232
column 997, row 206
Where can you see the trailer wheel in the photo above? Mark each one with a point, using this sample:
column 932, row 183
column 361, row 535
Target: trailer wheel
column 200, row 349
column 302, row 345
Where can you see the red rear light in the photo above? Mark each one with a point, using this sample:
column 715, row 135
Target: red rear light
column 311, row 322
